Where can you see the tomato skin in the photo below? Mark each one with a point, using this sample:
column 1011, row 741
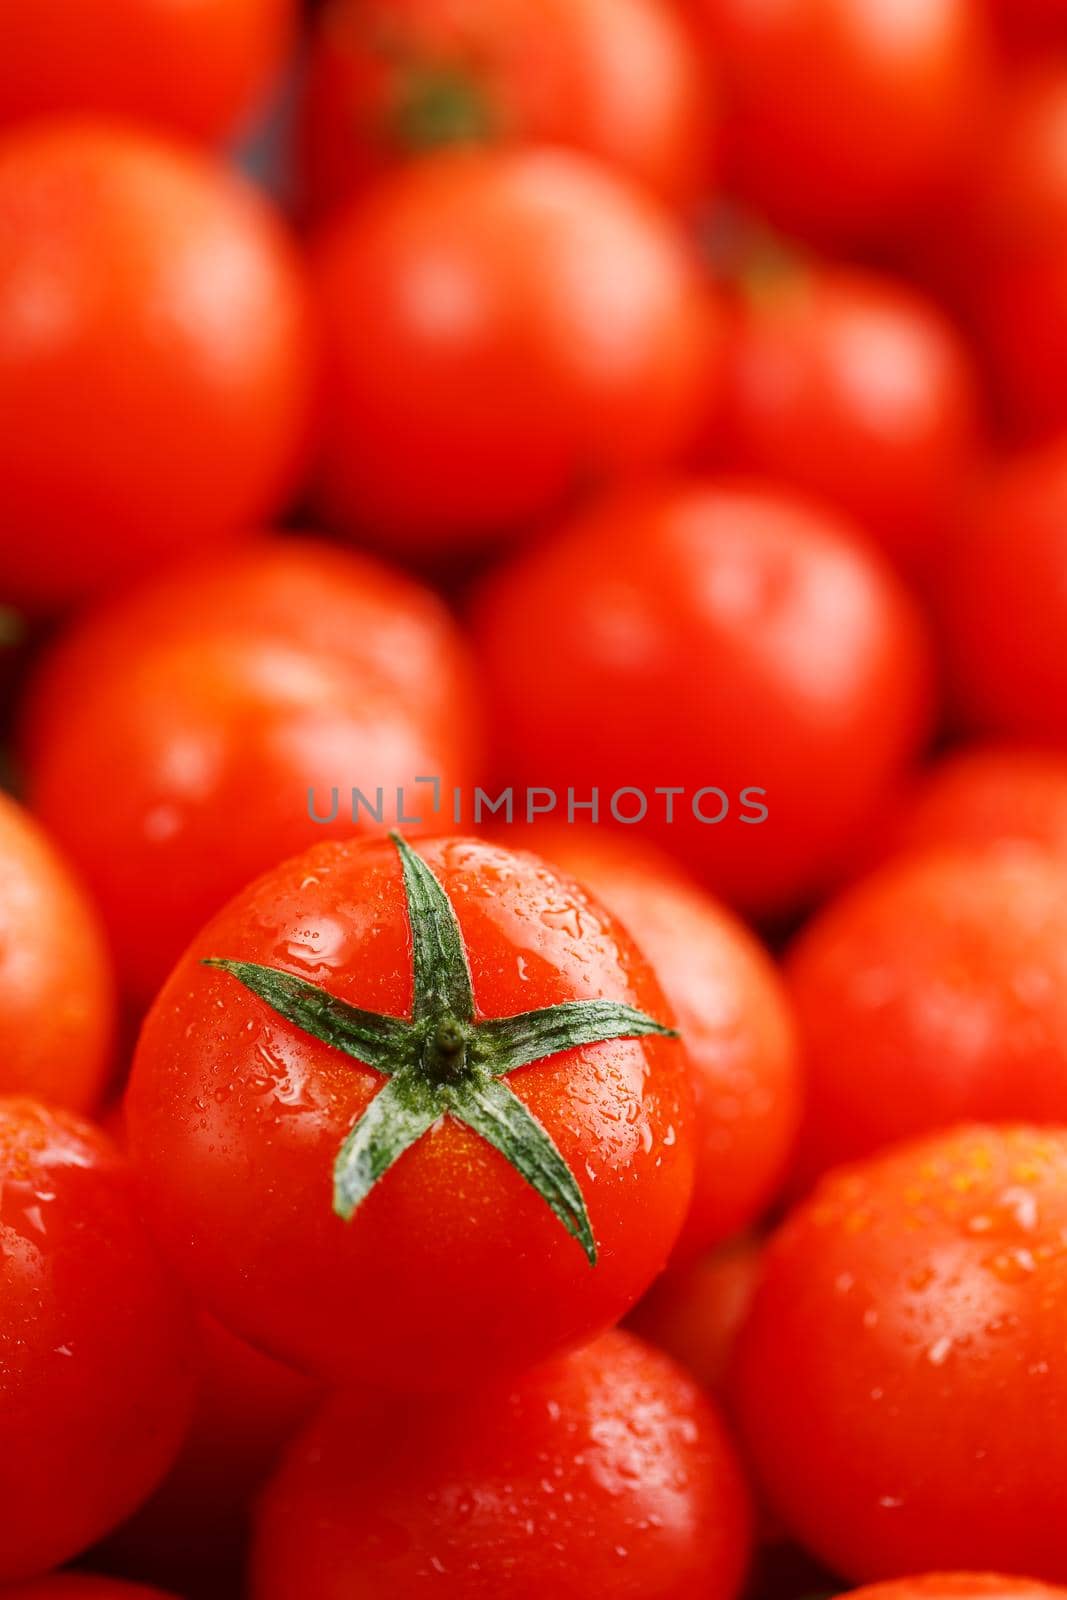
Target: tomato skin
column 604, row 1471
column 194, row 69
column 1030, row 26
column 619, row 80
column 732, row 1013
column 158, row 402
column 94, row 1366
column 81, row 1586
column 695, row 1311
column 57, row 1002
column 987, row 796
column 517, row 323
column 843, row 119
column 958, row 1586
column 235, row 1119
column 727, row 635
column 918, row 1295
column 856, row 390
column 214, row 698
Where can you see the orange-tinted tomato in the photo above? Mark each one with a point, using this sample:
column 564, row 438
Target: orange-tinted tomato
column 695, row 1312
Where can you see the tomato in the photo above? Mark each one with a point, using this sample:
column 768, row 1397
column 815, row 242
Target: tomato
column 903, row 1355
column 195, row 69
column 695, row 1311
column 854, row 389
column 847, row 119
column 946, row 976
column 57, row 1006
column 737, row 645
column 958, row 1586
column 155, row 358
column 1003, row 602
column 617, row 79
column 81, row 1586
column 517, row 1220
column 1031, row 25
column 732, row 1014
column 502, row 328
column 603, row 1472
column 94, row 1366
column 988, row 796
column 173, row 739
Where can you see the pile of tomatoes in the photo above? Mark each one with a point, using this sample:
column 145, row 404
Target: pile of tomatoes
column 533, row 840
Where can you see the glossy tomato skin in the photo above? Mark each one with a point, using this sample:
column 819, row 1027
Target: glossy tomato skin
column 158, row 400
column 81, row 1586
column 620, row 80
column 732, row 1013
column 94, row 1360
column 945, row 975
column 958, row 1586
column 987, row 796
column 604, row 1471
column 903, row 1354
column 214, row 699
column 710, row 635
column 843, row 119
column 236, row 1118
column 57, row 1001
column 695, row 1311
column 502, row 328
column 856, row 390
column 1003, row 603
column 195, row 69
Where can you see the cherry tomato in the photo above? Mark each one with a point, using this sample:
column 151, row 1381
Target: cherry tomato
column 57, row 1000
column 1031, row 25
column 154, row 358
column 502, row 328
column 958, row 1586
column 1003, row 602
column 196, row 68
column 988, row 796
column 843, row 118
column 518, row 1220
column 94, row 1366
column 172, row 740
column 946, row 976
column 732, row 1013
column 903, row 1357
column 738, row 645
column 618, row 79
column 604, row 1472
column 695, row 1312
column 81, row 1586
column 854, row 389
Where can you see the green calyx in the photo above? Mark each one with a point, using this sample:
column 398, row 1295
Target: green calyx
column 439, row 105
column 443, row 1062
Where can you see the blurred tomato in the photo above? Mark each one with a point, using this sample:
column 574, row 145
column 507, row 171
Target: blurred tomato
column 618, row 79
column 988, row 796
column 1031, row 25
column 81, row 1586
column 503, row 329
column 695, row 1312
column 154, row 358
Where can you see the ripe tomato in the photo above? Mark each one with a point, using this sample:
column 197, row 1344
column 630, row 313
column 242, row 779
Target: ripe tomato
column 57, row 1005
column 724, row 640
column 238, row 1115
column 81, row 1586
column 196, row 68
column 945, row 975
column 618, row 79
column 502, row 328
column 604, row 1472
column 847, row 119
column 958, row 1586
column 154, row 358
column 695, row 1312
column 94, row 1376
column 172, row 740
column 1031, row 25
column 854, row 389
column 904, row 1354
column 731, row 1012
column 1003, row 602
column 988, row 796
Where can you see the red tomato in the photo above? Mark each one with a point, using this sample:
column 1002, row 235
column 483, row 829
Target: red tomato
column 195, row 68
column 618, row 79
column 847, row 118
column 724, row 640
column 154, row 358
column 900, row 1379
column 958, row 1586
column 57, row 1005
column 946, row 977
column 81, row 1586
column 856, row 390
column 476, row 1252
column 94, row 1345
column 695, row 1312
column 605, row 1472
column 172, row 739
column 1030, row 25
column 1003, row 603
column 987, row 796
column 732, row 1014
column 502, row 328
